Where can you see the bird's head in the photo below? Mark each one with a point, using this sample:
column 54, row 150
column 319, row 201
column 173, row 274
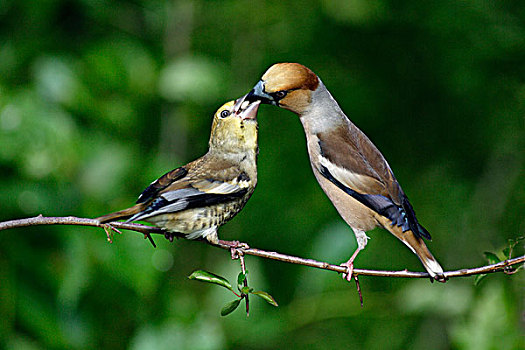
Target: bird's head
column 286, row 85
column 235, row 132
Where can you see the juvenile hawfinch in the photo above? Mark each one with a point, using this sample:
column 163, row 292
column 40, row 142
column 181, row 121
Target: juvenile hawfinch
column 349, row 168
column 197, row 198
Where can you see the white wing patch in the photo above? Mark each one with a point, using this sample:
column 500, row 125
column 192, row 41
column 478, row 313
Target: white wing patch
column 171, row 196
column 216, row 187
column 171, row 208
column 176, row 206
column 221, row 187
column 346, row 177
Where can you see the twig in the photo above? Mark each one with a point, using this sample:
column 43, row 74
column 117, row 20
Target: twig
column 146, row 230
column 245, row 281
column 358, row 287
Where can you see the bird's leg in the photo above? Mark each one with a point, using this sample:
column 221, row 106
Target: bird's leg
column 350, row 266
column 235, row 246
column 362, row 240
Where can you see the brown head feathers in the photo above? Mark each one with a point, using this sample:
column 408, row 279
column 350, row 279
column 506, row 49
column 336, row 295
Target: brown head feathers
column 289, row 76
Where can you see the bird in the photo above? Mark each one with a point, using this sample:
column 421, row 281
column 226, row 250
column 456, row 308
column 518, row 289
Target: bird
column 194, row 200
column 349, row 168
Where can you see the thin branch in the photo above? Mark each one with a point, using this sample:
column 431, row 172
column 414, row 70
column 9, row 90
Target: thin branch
column 72, row 220
column 245, row 282
column 147, row 230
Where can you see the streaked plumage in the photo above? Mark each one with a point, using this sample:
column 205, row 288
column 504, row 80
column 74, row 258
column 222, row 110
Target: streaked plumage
column 349, row 168
column 197, row 198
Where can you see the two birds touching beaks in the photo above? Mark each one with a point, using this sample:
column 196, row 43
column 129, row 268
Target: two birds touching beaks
column 195, row 199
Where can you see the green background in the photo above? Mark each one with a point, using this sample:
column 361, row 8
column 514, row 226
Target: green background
column 99, row 98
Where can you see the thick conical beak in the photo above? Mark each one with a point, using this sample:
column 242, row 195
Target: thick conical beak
column 251, row 111
column 257, row 94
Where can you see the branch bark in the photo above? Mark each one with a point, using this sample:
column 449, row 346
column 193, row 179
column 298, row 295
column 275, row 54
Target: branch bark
column 147, row 230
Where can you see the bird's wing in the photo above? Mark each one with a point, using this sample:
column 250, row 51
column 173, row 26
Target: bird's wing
column 200, row 184
column 161, row 183
column 354, row 160
column 350, row 160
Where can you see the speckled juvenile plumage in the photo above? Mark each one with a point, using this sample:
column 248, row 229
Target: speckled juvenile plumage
column 349, row 168
column 197, row 198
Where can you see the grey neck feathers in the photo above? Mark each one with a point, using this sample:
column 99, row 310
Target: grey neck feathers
column 324, row 112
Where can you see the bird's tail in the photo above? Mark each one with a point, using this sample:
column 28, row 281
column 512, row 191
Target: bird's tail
column 418, row 246
column 122, row 214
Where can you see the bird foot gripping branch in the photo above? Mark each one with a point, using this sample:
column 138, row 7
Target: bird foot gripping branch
column 349, row 275
column 236, row 248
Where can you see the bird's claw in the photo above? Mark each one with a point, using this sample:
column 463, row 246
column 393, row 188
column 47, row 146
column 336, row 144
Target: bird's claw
column 236, row 248
column 440, row 278
column 348, row 275
column 169, row 236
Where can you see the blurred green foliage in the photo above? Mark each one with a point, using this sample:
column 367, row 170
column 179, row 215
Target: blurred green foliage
column 99, row 98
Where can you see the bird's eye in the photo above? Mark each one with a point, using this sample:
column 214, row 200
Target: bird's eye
column 225, row 113
column 280, row 94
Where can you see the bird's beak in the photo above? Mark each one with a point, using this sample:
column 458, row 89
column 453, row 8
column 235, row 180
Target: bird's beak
column 237, row 107
column 257, row 94
column 250, row 112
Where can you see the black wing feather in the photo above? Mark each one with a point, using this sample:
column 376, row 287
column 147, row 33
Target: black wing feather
column 157, row 186
column 190, row 202
column 208, row 199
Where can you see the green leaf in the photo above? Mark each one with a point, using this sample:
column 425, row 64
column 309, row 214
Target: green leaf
column 479, row 278
column 241, row 278
column 205, row 276
column 245, row 290
column 492, row 258
column 269, row 299
column 230, row 307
